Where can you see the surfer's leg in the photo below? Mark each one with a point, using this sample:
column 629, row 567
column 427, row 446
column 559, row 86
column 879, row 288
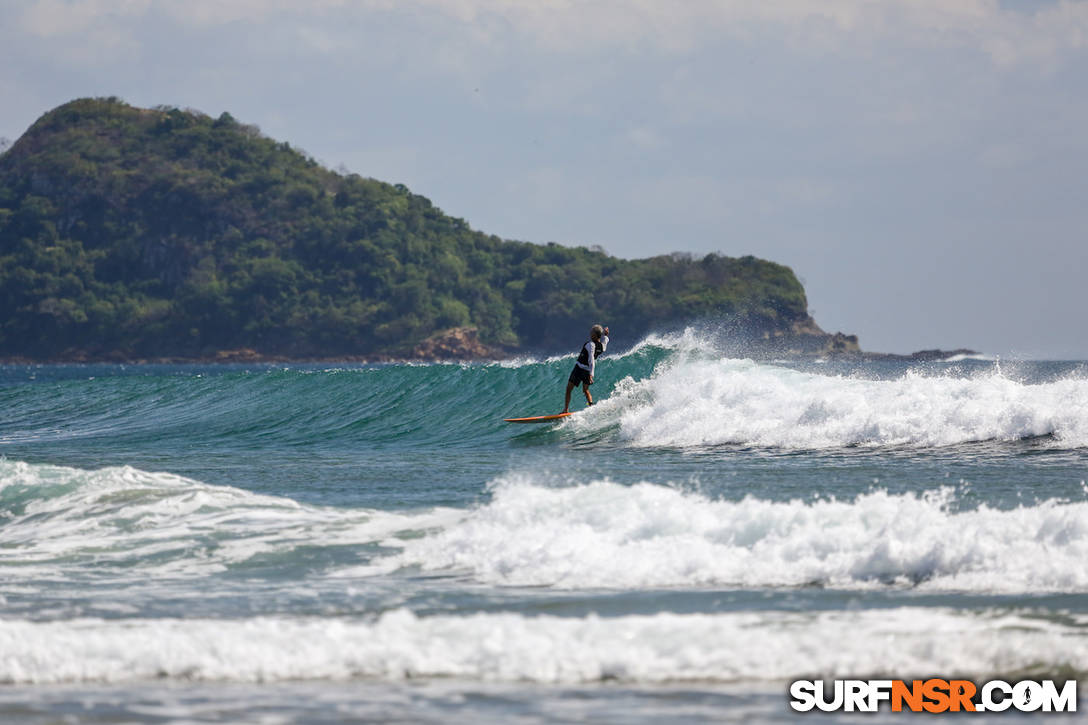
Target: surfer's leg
column 566, row 403
column 585, row 389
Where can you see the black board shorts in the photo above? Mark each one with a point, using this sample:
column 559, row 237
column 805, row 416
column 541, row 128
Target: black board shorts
column 578, row 376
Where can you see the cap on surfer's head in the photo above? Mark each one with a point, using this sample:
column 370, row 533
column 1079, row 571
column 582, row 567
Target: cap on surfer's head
column 596, row 331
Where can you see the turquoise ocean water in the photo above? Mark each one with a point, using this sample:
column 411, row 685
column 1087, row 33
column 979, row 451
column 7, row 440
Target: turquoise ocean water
column 343, row 543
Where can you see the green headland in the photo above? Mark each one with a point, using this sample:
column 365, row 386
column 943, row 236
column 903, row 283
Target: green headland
column 143, row 234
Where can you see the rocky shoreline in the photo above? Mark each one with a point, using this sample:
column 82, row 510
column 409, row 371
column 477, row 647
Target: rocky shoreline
column 920, row 356
column 462, row 344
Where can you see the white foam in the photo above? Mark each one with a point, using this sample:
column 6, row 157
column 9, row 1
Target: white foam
column 512, row 647
column 129, row 525
column 687, row 341
column 607, row 535
column 57, row 520
column 973, row 356
column 528, row 361
column 699, row 402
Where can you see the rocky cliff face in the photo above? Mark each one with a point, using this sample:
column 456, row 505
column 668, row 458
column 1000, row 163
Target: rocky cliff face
column 458, row 343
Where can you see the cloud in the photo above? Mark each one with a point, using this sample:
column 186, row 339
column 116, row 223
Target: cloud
column 57, row 18
column 644, row 138
column 1008, row 36
column 1005, row 156
column 205, row 13
column 83, row 34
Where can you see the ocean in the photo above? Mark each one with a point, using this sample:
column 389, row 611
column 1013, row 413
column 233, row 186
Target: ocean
column 333, row 543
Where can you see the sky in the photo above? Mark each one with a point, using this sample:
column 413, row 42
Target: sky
column 921, row 165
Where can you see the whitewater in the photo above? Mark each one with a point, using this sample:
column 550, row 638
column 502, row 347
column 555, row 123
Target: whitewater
column 341, row 543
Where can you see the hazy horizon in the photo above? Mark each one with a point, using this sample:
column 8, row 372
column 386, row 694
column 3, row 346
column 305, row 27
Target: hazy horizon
column 919, row 166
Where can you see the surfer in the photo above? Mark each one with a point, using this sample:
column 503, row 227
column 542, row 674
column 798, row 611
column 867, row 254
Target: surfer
column 582, row 374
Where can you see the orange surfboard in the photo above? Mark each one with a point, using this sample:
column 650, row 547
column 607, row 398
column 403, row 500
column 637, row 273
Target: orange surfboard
column 538, row 418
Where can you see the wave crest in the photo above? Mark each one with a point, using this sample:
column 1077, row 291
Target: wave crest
column 607, row 535
column 691, row 402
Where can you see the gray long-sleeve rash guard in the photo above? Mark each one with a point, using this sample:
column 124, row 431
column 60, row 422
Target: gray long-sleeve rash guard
column 590, row 350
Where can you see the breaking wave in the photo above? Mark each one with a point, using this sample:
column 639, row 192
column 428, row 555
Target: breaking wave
column 693, row 402
column 607, row 535
column 511, row 647
column 122, row 522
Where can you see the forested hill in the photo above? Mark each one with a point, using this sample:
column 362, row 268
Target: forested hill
column 133, row 233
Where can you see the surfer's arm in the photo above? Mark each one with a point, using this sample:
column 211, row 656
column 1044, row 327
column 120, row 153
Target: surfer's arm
column 593, row 355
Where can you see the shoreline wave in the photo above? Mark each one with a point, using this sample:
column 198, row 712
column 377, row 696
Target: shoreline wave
column 509, row 647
